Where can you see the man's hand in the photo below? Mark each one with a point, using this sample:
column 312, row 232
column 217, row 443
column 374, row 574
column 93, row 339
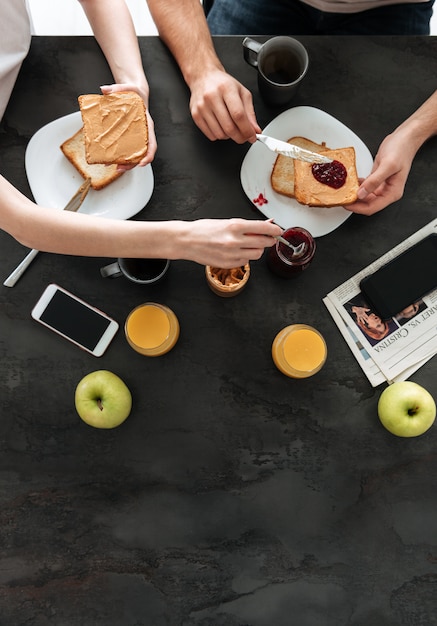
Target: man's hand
column 389, row 174
column 223, row 108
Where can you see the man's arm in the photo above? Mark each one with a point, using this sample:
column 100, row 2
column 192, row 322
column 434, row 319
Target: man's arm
column 221, row 106
column 393, row 161
column 114, row 31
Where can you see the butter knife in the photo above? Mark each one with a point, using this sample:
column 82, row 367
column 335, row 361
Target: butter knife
column 73, row 205
column 290, row 150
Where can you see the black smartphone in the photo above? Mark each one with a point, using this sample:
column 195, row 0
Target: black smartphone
column 403, row 280
column 75, row 320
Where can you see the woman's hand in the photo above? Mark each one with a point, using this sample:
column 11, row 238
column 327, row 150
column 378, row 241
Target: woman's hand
column 225, row 243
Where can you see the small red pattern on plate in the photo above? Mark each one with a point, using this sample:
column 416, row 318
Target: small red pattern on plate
column 260, row 200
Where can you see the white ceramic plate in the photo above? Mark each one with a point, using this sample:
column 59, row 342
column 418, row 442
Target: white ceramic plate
column 258, row 163
column 53, row 179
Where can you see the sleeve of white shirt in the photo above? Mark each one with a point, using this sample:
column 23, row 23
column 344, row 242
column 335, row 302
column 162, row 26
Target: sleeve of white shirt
column 15, row 36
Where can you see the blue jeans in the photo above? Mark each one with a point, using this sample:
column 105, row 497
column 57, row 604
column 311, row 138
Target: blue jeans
column 292, row 17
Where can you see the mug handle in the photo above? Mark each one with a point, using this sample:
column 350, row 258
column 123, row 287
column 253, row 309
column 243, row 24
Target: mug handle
column 111, row 271
column 251, row 46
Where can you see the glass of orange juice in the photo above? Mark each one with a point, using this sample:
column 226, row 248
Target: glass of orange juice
column 152, row 329
column 299, row 351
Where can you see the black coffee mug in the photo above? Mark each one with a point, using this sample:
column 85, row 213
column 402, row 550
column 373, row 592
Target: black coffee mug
column 282, row 63
column 141, row 271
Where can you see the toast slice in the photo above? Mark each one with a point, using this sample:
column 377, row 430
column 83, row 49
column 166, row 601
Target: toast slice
column 282, row 177
column 101, row 175
column 115, row 127
column 309, row 191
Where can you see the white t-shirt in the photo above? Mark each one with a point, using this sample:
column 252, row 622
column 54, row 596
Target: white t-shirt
column 15, row 35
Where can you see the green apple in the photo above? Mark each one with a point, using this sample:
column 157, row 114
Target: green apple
column 102, row 399
column 406, row 409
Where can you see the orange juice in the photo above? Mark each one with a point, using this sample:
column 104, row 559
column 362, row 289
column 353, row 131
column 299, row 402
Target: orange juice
column 299, row 351
column 152, row 329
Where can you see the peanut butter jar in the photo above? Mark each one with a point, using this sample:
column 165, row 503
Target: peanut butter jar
column 227, row 282
column 299, row 351
column 152, row 329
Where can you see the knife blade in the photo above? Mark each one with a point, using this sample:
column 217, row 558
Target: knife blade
column 290, row 150
column 72, row 205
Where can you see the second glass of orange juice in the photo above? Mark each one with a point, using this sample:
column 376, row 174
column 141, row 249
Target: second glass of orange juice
column 299, row 351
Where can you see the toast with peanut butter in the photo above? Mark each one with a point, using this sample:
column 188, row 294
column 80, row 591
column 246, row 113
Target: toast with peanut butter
column 282, row 177
column 115, row 127
column 101, row 175
column 327, row 185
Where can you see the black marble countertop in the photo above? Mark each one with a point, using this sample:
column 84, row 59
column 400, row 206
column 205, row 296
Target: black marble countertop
column 232, row 495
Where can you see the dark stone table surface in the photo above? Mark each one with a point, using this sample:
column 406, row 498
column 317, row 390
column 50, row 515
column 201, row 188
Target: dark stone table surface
column 232, row 495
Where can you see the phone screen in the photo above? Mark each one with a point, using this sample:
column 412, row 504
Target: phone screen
column 404, row 280
column 75, row 320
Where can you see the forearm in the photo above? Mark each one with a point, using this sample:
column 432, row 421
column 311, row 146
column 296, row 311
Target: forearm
column 54, row 230
column 114, row 30
column 86, row 235
column 421, row 125
column 192, row 47
column 222, row 243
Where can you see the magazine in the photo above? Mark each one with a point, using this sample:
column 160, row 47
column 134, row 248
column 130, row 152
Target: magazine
column 389, row 350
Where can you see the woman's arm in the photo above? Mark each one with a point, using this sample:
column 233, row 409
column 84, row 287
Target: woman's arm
column 114, row 31
column 222, row 243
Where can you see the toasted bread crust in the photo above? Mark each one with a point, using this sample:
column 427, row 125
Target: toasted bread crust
column 294, row 178
column 115, row 127
column 283, row 176
column 309, row 191
column 101, row 175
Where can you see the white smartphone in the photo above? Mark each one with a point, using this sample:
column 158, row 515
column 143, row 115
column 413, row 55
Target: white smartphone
column 75, row 320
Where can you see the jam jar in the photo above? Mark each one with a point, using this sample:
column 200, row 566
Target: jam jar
column 287, row 263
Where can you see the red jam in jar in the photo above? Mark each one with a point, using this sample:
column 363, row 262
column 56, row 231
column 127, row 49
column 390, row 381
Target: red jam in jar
column 283, row 261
